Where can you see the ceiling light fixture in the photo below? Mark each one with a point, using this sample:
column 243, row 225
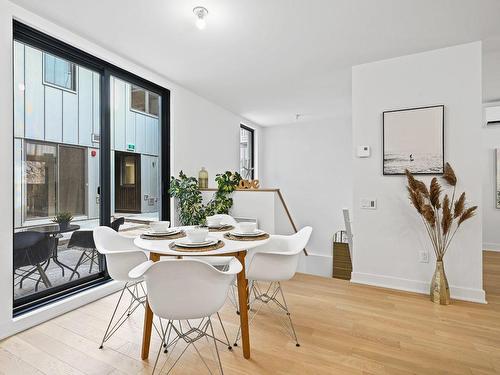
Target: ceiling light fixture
column 201, row 15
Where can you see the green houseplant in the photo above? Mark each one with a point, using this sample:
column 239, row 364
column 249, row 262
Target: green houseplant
column 63, row 219
column 190, row 208
column 442, row 217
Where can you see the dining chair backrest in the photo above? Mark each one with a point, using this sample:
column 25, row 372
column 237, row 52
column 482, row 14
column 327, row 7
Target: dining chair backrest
column 82, row 238
column 121, row 253
column 277, row 259
column 115, row 224
column 226, row 219
column 181, row 289
column 31, row 248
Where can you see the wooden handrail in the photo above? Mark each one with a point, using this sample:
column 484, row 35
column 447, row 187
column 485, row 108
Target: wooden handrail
column 282, row 202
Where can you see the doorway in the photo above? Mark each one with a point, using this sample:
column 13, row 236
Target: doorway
column 127, row 182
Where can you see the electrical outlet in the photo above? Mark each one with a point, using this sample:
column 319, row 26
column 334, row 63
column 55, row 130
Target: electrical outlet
column 423, row 256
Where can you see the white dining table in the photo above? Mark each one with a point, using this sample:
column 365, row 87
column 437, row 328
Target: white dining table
column 238, row 249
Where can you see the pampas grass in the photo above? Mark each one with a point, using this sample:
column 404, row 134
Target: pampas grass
column 441, row 223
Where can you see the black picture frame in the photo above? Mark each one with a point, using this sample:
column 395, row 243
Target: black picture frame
column 441, row 132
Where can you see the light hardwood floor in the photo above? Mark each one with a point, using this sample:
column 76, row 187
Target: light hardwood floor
column 343, row 329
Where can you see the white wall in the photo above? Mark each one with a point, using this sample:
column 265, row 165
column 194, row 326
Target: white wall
column 195, row 122
column 491, row 214
column 387, row 240
column 310, row 162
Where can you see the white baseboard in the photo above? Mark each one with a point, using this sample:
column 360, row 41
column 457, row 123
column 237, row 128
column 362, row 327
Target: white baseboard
column 55, row 309
column 460, row 293
column 491, row 246
column 316, row 264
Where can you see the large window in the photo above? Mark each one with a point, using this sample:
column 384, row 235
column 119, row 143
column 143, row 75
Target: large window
column 79, row 124
column 40, row 171
column 247, row 167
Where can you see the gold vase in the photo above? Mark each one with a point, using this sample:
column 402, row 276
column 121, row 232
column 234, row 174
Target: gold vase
column 440, row 291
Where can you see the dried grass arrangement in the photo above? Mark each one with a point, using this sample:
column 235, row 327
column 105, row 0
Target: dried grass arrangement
column 442, row 216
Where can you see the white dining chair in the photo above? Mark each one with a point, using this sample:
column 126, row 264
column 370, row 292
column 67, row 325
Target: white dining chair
column 184, row 290
column 275, row 261
column 121, row 257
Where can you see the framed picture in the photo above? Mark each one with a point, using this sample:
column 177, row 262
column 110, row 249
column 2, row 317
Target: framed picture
column 497, row 199
column 413, row 139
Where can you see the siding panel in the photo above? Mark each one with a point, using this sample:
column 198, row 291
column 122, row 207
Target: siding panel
column 119, row 115
column 53, row 114
column 70, row 118
column 130, row 133
column 34, row 94
column 18, row 89
column 140, row 126
column 96, row 110
column 85, row 106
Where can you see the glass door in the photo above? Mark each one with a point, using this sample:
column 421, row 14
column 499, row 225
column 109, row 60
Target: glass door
column 57, row 173
column 136, row 131
column 91, row 145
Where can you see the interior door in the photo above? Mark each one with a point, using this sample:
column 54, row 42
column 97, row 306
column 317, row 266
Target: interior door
column 127, row 182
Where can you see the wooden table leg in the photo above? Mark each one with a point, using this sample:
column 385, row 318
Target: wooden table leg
column 243, row 302
column 148, row 320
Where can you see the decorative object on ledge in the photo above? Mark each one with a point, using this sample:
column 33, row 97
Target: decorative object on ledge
column 63, row 219
column 413, row 139
column 203, row 178
column 342, row 265
column 441, row 218
column 248, row 184
column 191, row 209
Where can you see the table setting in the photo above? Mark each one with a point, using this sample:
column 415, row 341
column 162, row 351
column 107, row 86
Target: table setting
column 215, row 239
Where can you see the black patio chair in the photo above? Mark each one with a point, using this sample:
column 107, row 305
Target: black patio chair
column 84, row 239
column 32, row 252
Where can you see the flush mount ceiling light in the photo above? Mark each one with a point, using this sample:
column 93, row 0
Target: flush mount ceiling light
column 201, row 17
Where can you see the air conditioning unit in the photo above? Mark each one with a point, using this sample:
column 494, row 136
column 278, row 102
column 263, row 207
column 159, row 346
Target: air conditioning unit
column 492, row 115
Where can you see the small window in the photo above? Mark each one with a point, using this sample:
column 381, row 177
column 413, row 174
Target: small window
column 59, row 72
column 138, row 99
column 247, row 167
column 144, row 101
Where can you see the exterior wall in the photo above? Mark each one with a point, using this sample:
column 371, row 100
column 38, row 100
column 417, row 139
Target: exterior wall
column 50, row 114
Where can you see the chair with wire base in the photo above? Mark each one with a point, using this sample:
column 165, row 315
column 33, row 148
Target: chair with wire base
column 121, row 257
column 269, row 264
column 84, row 240
column 203, row 293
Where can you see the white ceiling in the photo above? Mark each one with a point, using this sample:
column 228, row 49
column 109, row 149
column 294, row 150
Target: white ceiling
column 270, row 59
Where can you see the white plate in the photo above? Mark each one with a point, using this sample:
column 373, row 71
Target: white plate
column 187, row 243
column 256, row 233
column 167, row 233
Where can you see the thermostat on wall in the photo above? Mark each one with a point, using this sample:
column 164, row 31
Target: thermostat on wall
column 363, row 151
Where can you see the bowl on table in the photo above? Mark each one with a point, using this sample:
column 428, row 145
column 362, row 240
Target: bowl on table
column 159, row 226
column 247, row 227
column 197, row 234
column 214, row 221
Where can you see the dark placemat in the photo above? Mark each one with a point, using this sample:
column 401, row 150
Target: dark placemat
column 174, row 247
column 231, row 237
column 181, row 234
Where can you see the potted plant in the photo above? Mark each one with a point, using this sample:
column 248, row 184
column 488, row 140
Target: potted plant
column 190, row 207
column 63, row 219
column 442, row 217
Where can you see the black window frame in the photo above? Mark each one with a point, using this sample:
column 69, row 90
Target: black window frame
column 252, row 137
column 31, row 36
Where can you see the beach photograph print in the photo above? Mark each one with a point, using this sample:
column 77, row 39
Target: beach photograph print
column 413, row 140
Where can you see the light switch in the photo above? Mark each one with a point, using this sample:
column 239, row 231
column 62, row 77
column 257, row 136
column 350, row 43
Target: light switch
column 368, row 204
